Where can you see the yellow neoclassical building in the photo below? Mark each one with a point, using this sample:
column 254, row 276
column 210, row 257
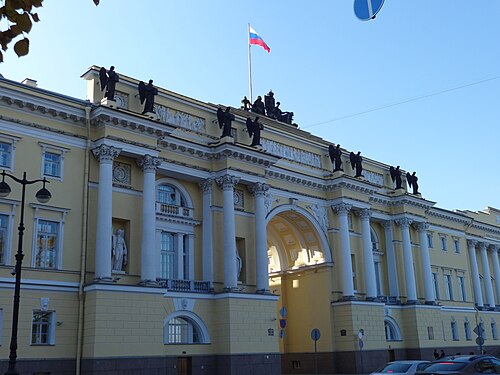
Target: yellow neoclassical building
column 168, row 249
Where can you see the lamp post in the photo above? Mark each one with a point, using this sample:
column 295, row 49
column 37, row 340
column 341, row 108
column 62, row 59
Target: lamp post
column 43, row 196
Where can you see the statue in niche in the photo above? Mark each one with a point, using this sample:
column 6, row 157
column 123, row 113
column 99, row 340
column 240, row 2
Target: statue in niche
column 413, row 181
column 270, row 103
column 396, row 176
column 147, row 94
column 278, row 114
column 108, row 79
column 335, row 157
column 239, row 265
column 258, row 106
column 356, row 163
column 247, row 105
column 225, row 118
column 254, row 128
column 119, row 250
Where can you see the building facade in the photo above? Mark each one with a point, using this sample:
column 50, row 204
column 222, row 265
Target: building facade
column 165, row 249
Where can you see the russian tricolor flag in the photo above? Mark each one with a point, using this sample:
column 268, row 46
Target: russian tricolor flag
column 254, row 38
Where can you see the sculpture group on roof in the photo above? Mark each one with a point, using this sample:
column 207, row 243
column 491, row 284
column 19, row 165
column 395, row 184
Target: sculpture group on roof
column 269, row 108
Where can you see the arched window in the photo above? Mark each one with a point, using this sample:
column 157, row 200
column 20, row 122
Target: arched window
column 184, row 327
column 392, row 332
column 168, row 194
column 377, row 262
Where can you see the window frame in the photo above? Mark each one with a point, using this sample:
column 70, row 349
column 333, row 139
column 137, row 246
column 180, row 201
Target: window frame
column 444, row 242
column 430, row 240
column 11, row 141
column 454, row 331
column 462, row 291
column 448, row 286
column 54, row 150
column 468, row 331
column 39, row 216
column 456, row 245
column 435, row 285
column 50, row 331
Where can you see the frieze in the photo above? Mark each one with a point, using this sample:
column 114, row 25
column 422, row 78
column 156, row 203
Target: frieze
column 373, row 177
column 178, row 118
column 121, row 173
column 291, row 153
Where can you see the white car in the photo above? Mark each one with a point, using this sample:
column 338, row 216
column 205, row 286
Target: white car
column 401, row 367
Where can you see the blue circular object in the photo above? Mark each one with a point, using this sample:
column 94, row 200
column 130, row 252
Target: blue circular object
column 367, row 9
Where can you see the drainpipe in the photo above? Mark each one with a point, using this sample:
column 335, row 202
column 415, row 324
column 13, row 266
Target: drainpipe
column 83, row 258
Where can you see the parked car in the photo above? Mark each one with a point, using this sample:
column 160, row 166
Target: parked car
column 401, row 367
column 463, row 365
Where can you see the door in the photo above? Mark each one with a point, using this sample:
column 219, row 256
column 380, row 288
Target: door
column 184, row 366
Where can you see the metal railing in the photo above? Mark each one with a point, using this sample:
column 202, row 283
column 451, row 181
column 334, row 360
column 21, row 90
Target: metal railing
column 176, row 285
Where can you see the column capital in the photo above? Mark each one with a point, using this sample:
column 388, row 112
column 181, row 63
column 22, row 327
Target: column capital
column 472, row 243
column 404, row 222
column 364, row 213
column 227, row 182
column 422, row 226
column 483, row 246
column 342, row 208
column 259, row 189
column 105, row 153
column 206, row 185
column 495, row 248
column 149, row 163
column 387, row 224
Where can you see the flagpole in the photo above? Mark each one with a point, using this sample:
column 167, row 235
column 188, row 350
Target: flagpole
column 249, row 68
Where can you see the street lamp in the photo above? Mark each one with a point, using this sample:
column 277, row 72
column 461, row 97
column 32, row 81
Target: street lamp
column 43, row 196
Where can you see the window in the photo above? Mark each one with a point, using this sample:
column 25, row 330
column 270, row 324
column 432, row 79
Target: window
column 494, row 333
column 52, row 160
column 454, row 331
column 167, row 264
column 468, row 334
column 481, row 325
column 430, row 241
column 435, row 283
column 378, row 279
column 430, row 333
column 392, row 332
column 444, row 247
column 4, row 237
column 52, row 164
column 5, row 155
column 182, row 331
column 46, row 251
column 456, row 245
column 448, row 286
column 42, row 329
column 461, row 288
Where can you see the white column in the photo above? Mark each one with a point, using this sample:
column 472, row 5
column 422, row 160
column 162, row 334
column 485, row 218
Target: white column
column 496, row 269
column 345, row 264
column 228, row 183
column 369, row 266
column 411, row 289
column 105, row 155
column 259, row 191
column 158, row 253
column 190, row 256
column 476, row 282
column 179, row 249
column 426, row 263
column 148, row 164
column 488, row 287
column 207, row 232
column 391, row 261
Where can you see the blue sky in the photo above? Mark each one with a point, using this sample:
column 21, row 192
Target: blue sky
column 417, row 87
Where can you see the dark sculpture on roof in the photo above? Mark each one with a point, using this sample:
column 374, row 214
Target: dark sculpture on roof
column 396, row 176
column 356, row 163
column 247, row 105
column 225, row 118
column 335, row 157
column 147, row 94
column 254, row 128
column 413, row 181
column 282, row 116
column 258, row 106
column 108, row 79
column 270, row 103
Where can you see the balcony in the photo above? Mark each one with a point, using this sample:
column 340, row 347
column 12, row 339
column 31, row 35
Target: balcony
column 173, row 210
column 174, row 285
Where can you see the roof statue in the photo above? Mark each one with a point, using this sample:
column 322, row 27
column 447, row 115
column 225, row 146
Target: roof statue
column 356, row 163
column 147, row 94
column 254, row 128
column 335, row 157
column 108, row 79
column 396, row 176
column 413, row 181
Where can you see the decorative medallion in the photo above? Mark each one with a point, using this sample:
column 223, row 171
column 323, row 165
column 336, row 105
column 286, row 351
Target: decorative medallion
column 239, row 201
column 121, row 173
